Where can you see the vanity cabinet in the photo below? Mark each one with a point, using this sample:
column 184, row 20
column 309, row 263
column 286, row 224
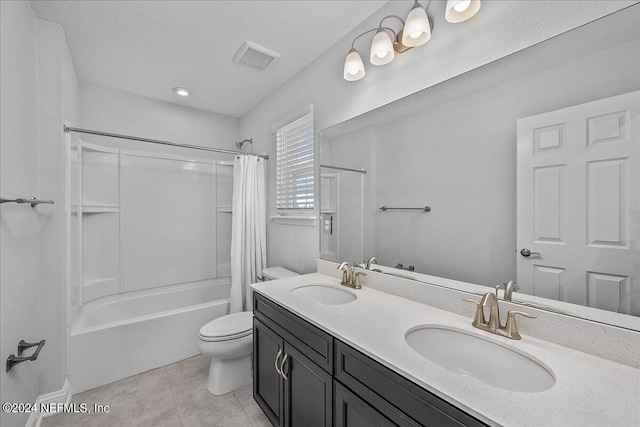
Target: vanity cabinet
column 325, row 382
column 302, row 393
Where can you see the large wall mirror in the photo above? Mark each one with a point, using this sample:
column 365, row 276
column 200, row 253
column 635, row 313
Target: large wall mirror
column 526, row 169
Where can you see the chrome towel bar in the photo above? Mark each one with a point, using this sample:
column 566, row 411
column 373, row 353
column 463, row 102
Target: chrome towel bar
column 32, row 201
column 387, row 208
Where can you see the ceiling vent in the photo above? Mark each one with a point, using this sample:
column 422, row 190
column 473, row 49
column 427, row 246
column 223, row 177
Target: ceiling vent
column 254, row 56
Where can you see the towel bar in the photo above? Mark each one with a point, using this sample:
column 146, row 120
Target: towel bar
column 14, row 360
column 32, row 201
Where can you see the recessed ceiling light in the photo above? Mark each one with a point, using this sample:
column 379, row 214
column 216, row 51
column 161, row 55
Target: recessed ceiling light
column 181, row 91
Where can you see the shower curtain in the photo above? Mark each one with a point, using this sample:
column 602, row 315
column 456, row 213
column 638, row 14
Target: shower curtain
column 248, row 229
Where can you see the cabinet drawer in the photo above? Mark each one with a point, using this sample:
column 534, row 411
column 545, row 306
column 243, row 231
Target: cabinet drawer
column 351, row 411
column 314, row 343
column 374, row 382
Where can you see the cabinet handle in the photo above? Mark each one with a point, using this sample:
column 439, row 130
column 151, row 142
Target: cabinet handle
column 275, row 364
column 284, row 360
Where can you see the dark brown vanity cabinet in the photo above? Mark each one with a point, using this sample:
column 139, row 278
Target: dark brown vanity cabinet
column 292, row 373
column 323, row 382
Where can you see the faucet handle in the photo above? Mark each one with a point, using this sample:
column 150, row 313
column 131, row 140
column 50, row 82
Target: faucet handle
column 356, row 280
column 479, row 316
column 511, row 328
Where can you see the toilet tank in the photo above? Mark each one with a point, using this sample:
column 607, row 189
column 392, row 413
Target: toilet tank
column 274, row 273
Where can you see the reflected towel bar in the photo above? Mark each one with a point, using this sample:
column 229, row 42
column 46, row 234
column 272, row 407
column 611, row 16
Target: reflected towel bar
column 32, row 201
column 387, row 208
column 362, row 171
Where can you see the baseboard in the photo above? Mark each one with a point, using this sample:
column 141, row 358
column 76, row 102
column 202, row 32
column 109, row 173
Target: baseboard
column 58, row 396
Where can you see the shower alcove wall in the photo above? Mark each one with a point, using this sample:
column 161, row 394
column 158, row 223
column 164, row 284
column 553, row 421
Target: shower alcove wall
column 149, row 239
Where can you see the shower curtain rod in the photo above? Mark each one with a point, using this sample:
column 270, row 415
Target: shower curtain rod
column 157, row 141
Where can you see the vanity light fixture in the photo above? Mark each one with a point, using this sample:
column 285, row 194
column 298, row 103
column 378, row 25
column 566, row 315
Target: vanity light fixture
column 416, row 31
column 460, row 10
column 182, row 91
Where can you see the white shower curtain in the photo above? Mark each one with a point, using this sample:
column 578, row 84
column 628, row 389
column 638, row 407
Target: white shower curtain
column 248, row 229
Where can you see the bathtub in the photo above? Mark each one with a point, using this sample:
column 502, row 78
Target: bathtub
column 122, row 335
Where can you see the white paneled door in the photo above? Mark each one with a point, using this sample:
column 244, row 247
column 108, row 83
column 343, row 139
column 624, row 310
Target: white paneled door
column 579, row 204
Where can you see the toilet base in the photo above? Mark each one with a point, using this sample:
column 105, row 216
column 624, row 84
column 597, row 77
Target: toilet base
column 227, row 375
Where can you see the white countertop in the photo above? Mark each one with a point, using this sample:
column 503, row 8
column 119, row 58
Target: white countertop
column 589, row 391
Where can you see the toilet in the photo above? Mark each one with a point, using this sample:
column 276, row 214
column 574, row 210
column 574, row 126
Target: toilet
column 228, row 340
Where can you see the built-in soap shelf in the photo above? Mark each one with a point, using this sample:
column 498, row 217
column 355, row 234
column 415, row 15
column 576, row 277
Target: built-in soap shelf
column 224, row 209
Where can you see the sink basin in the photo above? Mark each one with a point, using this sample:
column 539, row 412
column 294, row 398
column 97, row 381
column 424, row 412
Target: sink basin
column 479, row 359
column 324, row 295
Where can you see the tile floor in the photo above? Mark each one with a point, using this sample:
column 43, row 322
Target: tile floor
column 173, row 396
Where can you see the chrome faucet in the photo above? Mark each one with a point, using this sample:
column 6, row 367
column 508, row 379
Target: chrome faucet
column 493, row 325
column 509, row 289
column 372, row 260
column 350, row 278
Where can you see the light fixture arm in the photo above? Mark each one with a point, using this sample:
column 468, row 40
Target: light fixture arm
column 371, row 30
column 392, row 16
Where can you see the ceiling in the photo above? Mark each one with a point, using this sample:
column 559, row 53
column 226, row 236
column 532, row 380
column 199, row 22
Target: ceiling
column 149, row 47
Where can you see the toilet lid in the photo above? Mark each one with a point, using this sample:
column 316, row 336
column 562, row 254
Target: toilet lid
column 230, row 326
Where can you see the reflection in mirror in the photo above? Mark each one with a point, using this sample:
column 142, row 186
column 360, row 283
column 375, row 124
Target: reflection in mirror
column 531, row 167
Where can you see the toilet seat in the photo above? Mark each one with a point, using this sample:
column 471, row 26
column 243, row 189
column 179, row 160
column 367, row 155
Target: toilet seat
column 227, row 328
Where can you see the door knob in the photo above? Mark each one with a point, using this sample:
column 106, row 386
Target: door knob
column 526, row 253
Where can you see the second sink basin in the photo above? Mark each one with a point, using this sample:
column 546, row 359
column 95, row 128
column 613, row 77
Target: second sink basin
column 480, row 359
column 323, row 294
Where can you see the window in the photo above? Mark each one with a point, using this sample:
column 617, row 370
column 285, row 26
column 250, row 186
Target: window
column 295, row 183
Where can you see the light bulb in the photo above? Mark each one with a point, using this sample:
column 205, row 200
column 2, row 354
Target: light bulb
column 460, row 10
column 353, row 66
column 381, row 48
column 462, row 6
column 417, row 28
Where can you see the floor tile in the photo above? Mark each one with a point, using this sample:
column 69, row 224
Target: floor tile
column 192, row 398
column 152, row 409
column 194, row 369
column 172, row 396
column 100, row 396
column 225, row 413
column 147, row 383
column 261, row 421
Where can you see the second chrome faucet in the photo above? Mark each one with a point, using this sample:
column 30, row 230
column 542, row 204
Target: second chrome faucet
column 493, row 324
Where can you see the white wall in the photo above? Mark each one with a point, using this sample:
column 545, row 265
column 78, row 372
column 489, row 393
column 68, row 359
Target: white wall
column 119, row 112
column 499, row 29
column 39, row 92
column 57, row 103
column 19, row 225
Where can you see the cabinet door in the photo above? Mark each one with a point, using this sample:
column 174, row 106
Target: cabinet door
column 308, row 400
column 351, row 411
column 267, row 383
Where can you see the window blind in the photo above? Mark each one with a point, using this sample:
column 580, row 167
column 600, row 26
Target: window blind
column 295, row 186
